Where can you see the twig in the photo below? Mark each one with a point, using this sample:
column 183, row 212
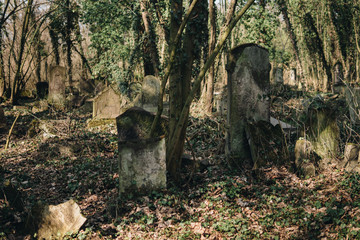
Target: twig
column 11, row 129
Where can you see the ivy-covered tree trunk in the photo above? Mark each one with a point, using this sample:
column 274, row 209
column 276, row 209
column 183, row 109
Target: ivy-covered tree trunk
column 179, row 123
column 292, row 36
column 316, row 47
column 55, row 44
column 150, row 53
column 69, row 28
column 54, row 37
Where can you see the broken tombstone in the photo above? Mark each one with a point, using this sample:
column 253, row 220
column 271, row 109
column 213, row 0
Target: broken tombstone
column 55, row 221
column 322, row 131
column 248, row 97
column 142, row 160
column 267, row 144
column 351, row 157
column 48, row 128
column 305, row 158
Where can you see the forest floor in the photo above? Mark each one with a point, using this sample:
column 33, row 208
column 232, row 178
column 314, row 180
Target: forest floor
column 216, row 203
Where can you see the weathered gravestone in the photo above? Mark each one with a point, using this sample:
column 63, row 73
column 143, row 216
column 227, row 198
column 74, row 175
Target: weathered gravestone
column 305, row 158
column 351, row 157
column 57, row 86
column 107, row 104
column 142, row 160
column 220, row 99
column 338, row 74
column 279, row 76
column 248, row 96
column 292, row 77
column 149, row 96
column 322, row 130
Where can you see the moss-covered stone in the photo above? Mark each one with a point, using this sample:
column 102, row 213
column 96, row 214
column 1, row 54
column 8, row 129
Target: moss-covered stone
column 322, row 131
column 94, row 122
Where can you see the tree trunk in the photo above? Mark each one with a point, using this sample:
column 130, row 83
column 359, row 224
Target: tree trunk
column 176, row 138
column 69, row 28
column 318, row 46
column 54, row 37
column 175, row 86
column 18, row 75
column 150, row 49
column 2, row 70
column 208, row 91
column 294, row 42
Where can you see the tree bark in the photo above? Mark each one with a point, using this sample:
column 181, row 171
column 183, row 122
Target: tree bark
column 309, row 21
column 174, row 39
column 208, row 91
column 294, row 42
column 150, row 49
column 176, row 139
column 68, row 41
column 18, row 75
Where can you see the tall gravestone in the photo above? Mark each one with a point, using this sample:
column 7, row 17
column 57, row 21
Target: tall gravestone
column 149, row 95
column 57, row 86
column 279, row 76
column 292, row 77
column 248, row 96
column 338, row 74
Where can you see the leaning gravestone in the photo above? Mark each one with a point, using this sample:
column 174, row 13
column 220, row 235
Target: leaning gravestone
column 57, row 86
column 107, row 104
column 248, row 96
column 142, row 160
column 149, row 96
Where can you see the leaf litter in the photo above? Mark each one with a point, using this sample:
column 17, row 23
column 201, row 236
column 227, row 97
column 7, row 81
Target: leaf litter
column 216, row 203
